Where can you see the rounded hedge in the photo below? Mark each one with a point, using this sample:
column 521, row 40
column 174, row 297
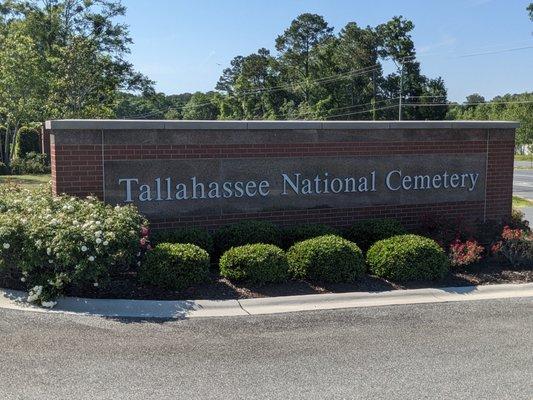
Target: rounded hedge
column 326, row 258
column 298, row 233
column 246, row 232
column 175, row 266
column 27, row 141
column 367, row 232
column 30, row 163
column 197, row 236
column 407, row 257
column 256, row 263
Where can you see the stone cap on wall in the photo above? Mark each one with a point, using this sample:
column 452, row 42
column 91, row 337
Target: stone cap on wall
column 122, row 124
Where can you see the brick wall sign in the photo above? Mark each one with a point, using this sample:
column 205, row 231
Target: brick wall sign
column 211, row 173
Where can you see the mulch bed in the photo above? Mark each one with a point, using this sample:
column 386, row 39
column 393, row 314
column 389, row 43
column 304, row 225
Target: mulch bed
column 490, row 271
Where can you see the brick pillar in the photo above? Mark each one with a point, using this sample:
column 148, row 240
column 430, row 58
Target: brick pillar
column 500, row 166
column 77, row 163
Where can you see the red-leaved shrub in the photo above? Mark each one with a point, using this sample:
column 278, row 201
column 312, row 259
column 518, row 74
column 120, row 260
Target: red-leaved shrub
column 516, row 245
column 465, row 253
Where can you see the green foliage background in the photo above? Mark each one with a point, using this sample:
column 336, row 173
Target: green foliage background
column 67, row 59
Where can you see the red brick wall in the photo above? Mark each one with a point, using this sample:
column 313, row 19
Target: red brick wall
column 78, row 169
column 500, row 159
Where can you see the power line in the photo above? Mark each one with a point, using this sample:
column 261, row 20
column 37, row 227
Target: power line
column 433, row 105
column 291, row 85
column 467, row 104
column 331, row 78
column 363, row 112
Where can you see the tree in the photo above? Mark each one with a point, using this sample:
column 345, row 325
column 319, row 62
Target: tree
column 202, row 106
column 357, row 56
column 296, row 47
column 475, row 98
column 79, row 42
column 22, row 85
column 252, row 86
column 510, row 107
column 408, row 83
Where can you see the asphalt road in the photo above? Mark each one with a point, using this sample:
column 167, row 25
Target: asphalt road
column 469, row 350
column 523, row 183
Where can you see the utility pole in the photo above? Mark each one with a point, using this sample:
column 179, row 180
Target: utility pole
column 401, row 94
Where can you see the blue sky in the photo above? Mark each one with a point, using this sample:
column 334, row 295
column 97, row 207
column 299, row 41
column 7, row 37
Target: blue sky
column 184, row 45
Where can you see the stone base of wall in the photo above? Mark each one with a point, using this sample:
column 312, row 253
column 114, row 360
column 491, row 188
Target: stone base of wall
column 412, row 216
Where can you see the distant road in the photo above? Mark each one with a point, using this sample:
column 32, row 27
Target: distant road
column 464, row 350
column 523, row 183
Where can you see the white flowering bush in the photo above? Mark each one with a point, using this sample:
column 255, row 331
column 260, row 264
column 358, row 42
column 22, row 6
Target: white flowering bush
column 57, row 241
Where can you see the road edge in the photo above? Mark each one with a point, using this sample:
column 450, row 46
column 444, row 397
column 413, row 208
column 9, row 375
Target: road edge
column 183, row 309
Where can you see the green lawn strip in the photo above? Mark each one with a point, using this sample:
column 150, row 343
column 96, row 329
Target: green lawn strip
column 523, row 157
column 519, row 202
column 25, row 180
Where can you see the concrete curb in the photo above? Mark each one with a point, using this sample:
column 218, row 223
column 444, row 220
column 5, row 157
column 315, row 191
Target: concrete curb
column 180, row 309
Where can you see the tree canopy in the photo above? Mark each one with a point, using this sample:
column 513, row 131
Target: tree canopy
column 62, row 59
column 68, row 59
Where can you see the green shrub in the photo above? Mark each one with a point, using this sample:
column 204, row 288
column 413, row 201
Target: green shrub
column 407, row 257
column 294, row 234
column 327, row 258
column 31, row 163
column 27, row 141
column 365, row 233
column 518, row 221
column 197, row 236
column 246, row 232
column 53, row 242
column 255, row 263
column 175, row 266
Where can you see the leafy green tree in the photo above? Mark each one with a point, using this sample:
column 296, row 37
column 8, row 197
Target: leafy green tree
column 252, row 86
column 202, row 106
column 475, row 98
column 22, row 85
column 510, row 107
column 80, row 44
column 297, row 45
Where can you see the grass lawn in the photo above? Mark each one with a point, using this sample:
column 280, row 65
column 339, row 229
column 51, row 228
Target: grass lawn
column 519, row 202
column 523, row 157
column 25, row 180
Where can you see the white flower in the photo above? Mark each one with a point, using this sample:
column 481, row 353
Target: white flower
column 91, row 258
column 84, row 248
column 34, row 293
column 95, row 284
column 50, row 261
column 48, row 304
column 98, row 233
column 106, row 242
column 23, row 279
column 6, row 246
column 32, row 298
column 98, row 240
column 48, row 251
